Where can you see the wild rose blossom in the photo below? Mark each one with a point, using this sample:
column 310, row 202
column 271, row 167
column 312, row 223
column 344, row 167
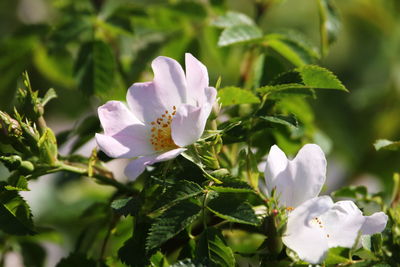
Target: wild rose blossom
column 315, row 224
column 162, row 116
column 319, row 224
column 297, row 180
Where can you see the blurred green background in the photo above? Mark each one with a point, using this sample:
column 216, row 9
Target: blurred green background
column 52, row 38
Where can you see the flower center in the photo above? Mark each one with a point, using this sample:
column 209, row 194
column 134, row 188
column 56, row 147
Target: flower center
column 161, row 139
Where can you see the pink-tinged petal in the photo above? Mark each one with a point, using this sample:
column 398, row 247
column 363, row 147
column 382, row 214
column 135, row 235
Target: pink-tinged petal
column 115, row 116
column 137, row 166
column 188, row 124
column 146, row 102
column 112, row 147
column 196, row 79
column 124, row 144
column 169, row 80
column 124, row 136
column 169, row 155
column 375, row 223
column 150, row 100
column 303, row 236
column 309, row 173
column 342, row 224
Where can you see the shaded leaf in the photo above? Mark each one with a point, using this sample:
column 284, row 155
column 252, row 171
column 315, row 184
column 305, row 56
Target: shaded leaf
column 234, row 208
column 212, row 249
column 180, row 191
column 239, row 34
column 234, row 95
column 15, row 214
column 77, row 260
column 126, row 206
column 95, row 68
column 187, row 263
column 289, row 121
column 171, row 222
column 295, row 51
column 33, row 254
column 232, row 185
column 133, row 252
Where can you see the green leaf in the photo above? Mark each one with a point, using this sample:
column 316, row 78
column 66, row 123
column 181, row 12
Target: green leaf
column 289, row 121
column 286, row 89
column 85, row 131
column 231, row 185
column 232, row 18
column 303, row 81
column 234, row 208
column 50, row 94
column 15, row 214
column 295, row 51
column 48, row 147
column 383, row 144
column 171, row 222
column 329, row 24
column 233, row 96
column 337, row 255
column 351, row 192
column 212, row 248
column 33, row 253
column 95, row 68
column 17, row 182
column 319, row 78
column 187, row 263
column 180, row 191
column 77, row 260
column 239, row 34
column 133, row 252
column 126, row 206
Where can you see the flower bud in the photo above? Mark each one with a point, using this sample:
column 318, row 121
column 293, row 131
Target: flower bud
column 9, row 127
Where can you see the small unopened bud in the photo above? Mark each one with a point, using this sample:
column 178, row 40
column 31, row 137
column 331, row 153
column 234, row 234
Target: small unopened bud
column 275, row 212
column 9, row 127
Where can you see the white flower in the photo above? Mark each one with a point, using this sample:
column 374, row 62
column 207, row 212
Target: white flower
column 162, row 117
column 319, row 224
column 297, row 180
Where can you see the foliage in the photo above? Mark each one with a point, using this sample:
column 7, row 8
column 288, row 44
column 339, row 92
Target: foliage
column 204, row 208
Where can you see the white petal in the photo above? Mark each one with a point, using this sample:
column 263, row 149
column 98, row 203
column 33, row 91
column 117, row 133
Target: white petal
column 188, row 124
column 306, row 239
column 211, row 95
column 375, row 223
column 309, row 173
column 124, row 136
column 196, row 79
column 137, row 166
column 342, row 224
column 275, row 175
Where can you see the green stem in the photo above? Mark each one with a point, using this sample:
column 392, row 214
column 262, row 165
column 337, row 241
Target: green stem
column 63, row 166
